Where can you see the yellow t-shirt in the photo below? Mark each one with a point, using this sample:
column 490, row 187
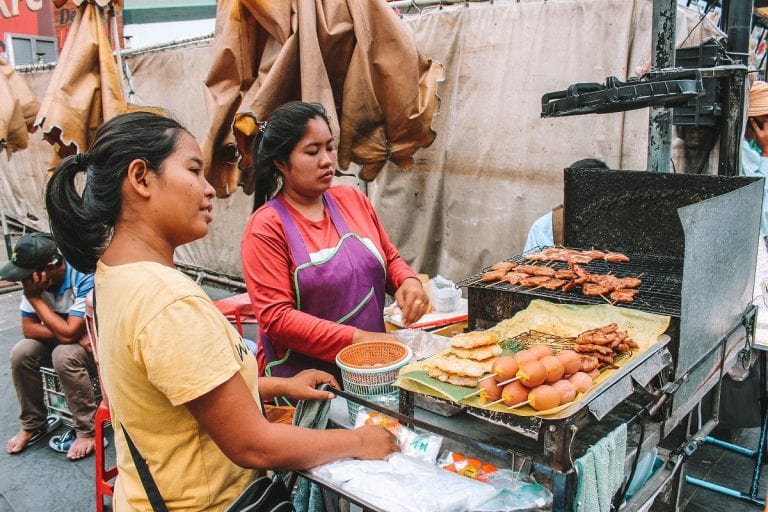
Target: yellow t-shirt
column 162, row 343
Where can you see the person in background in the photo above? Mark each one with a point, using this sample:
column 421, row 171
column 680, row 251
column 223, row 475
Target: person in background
column 181, row 383
column 547, row 230
column 316, row 259
column 754, row 146
column 53, row 323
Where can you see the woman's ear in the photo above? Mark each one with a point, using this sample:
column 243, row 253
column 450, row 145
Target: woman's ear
column 281, row 165
column 137, row 175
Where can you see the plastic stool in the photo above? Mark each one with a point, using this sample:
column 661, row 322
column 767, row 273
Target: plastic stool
column 231, row 310
column 103, row 476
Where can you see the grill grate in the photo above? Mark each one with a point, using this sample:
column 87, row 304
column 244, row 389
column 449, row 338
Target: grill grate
column 660, row 292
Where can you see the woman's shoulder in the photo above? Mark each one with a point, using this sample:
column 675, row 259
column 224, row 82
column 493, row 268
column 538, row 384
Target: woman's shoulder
column 346, row 193
column 147, row 280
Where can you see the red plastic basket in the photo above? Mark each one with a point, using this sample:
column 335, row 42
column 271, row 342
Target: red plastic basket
column 371, row 367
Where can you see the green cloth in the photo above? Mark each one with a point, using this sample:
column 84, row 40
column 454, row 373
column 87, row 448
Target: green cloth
column 601, row 472
column 310, row 414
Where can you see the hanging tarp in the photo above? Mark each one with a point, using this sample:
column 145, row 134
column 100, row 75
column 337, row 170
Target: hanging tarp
column 18, row 109
column 86, row 88
column 356, row 58
column 495, row 165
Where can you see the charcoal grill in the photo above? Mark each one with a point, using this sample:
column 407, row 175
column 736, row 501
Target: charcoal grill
column 662, row 278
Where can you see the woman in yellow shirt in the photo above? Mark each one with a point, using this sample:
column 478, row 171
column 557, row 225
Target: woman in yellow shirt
column 179, row 379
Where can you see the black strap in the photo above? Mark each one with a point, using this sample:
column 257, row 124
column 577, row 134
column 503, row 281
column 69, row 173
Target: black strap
column 153, row 493
column 150, row 487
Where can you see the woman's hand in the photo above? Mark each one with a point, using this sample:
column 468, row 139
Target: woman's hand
column 302, row 385
column 412, row 300
column 376, row 442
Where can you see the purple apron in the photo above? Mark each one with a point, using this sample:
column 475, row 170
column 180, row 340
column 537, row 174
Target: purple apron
column 346, row 287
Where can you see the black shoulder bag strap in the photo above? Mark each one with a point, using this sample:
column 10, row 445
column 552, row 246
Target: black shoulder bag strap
column 150, row 487
column 153, row 493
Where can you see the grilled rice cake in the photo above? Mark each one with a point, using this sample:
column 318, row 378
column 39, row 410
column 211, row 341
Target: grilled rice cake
column 479, row 353
column 456, row 380
column 474, row 339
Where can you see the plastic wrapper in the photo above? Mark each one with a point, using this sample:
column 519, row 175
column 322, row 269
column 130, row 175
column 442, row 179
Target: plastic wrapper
column 423, row 344
column 422, row 446
column 405, row 484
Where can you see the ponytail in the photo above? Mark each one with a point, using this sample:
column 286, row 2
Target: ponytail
column 80, row 234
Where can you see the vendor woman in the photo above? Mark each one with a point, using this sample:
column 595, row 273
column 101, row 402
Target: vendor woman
column 316, row 259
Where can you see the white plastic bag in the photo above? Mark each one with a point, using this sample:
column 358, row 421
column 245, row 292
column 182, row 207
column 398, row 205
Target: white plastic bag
column 443, row 294
column 406, row 485
column 423, row 344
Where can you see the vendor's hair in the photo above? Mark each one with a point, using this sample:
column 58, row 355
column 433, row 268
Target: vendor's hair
column 275, row 141
column 82, row 223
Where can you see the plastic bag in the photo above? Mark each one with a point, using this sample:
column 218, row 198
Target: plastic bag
column 404, row 484
column 443, row 294
column 425, row 446
column 423, row 344
column 515, row 493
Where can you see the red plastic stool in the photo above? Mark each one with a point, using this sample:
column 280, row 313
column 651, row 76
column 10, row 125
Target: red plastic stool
column 103, row 476
column 231, row 311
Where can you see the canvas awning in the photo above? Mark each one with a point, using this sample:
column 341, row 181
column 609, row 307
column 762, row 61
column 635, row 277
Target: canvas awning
column 356, row 58
column 18, row 109
column 86, row 86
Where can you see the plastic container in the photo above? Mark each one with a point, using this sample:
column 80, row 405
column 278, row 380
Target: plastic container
column 54, row 398
column 369, row 370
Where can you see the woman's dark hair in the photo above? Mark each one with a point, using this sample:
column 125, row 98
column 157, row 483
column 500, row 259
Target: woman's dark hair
column 275, row 141
column 82, row 223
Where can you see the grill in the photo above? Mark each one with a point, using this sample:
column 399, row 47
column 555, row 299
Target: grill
column 662, row 278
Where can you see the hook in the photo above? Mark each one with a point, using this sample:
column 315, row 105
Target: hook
column 413, row 4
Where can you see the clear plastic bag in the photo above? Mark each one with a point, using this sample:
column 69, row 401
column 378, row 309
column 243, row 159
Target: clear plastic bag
column 443, row 294
column 423, row 344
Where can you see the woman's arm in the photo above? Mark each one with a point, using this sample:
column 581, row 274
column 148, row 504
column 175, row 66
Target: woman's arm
column 251, row 441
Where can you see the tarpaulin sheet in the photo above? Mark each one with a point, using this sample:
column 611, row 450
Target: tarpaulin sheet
column 86, row 87
column 356, row 58
column 18, row 109
column 495, row 164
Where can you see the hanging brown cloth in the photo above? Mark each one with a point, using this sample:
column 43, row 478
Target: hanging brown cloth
column 18, row 109
column 356, row 58
column 86, row 87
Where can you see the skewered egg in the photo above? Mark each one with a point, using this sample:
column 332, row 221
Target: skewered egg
column 541, row 350
column 582, row 381
column 571, row 361
column 544, row 397
column 553, row 367
column 489, row 391
column 514, row 393
column 566, row 389
column 525, row 356
column 505, row 368
column 532, row 374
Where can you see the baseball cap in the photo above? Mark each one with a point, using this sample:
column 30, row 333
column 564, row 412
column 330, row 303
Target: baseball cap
column 32, row 252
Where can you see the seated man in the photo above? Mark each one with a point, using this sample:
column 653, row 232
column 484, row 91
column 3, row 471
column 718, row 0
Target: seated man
column 53, row 323
column 547, row 230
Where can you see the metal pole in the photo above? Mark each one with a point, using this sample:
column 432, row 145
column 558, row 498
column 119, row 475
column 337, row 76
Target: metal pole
column 660, row 119
column 738, row 28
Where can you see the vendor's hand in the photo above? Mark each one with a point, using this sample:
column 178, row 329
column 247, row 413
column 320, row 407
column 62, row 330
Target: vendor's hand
column 302, row 385
column 376, row 442
column 86, row 343
column 760, row 133
column 412, row 300
column 36, row 284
